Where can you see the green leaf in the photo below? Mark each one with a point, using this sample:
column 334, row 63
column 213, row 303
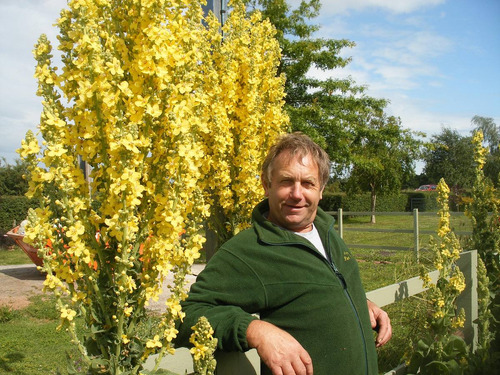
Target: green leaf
column 455, row 346
column 437, row 367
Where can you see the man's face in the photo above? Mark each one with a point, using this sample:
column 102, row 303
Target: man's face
column 294, row 192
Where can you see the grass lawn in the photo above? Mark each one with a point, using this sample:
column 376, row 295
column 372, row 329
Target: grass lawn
column 13, row 255
column 30, row 344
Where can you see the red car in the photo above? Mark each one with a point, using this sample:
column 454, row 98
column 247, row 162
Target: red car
column 426, row 188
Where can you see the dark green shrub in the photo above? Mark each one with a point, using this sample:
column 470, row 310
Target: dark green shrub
column 13, row 210
column 362, row 202
column 424, row 201
column 332, row 201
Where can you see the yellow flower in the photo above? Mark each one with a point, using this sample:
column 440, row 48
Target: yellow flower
column 154, row 343
column 67, row 314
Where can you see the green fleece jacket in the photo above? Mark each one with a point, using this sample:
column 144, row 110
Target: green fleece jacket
column 283, row 278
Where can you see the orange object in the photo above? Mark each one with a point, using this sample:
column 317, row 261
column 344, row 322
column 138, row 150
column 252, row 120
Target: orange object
column 28, row 249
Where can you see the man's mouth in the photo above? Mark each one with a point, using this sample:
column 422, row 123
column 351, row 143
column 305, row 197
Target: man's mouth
column 294, row 208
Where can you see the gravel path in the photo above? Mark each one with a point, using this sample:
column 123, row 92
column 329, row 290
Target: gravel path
column 19, row 282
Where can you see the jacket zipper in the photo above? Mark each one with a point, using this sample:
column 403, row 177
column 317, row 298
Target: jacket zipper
column 346, row 292
column 341, row 278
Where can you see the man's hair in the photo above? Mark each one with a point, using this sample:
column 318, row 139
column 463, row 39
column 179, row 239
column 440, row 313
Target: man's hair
column 297, row 144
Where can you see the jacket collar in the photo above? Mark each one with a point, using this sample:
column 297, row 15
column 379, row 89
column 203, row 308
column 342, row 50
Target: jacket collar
column 273, row 234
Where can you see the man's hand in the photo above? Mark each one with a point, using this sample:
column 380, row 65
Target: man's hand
column 380, row 321
column 278, row 349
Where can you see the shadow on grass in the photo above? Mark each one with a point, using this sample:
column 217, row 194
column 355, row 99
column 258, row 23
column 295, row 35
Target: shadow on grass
column 7, row 360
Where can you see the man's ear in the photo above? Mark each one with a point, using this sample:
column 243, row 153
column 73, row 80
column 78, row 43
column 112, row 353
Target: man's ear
column 264, row 185
column 321, row 193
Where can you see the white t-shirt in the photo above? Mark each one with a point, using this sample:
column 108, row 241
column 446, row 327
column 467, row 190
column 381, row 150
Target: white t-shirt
column 313, row 237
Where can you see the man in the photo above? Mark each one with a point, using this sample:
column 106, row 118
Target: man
column 293, row 270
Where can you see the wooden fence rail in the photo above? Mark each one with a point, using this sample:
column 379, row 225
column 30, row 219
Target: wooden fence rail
column 249, row 363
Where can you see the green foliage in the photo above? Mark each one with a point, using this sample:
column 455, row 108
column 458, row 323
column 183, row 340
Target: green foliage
column 450, row 157
column 6, row 314
column 332, row 201
column 424, row 201
column 13, row 210
column 328, row 110
column 440, row 351
column 361, row 202
column 12, row 181
column 383, row 156
column 439, row 357
column 491, row 132
column 486, row 239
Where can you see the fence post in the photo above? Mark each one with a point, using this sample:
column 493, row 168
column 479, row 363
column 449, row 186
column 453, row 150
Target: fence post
column 468, row 298
column 341, row 224
column 416, row 235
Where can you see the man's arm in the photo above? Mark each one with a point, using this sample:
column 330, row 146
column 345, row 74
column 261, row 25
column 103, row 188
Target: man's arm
column 226, row 292
column 278, row 349
column 381, row 322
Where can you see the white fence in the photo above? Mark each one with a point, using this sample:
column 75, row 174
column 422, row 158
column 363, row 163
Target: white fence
column 415, row 230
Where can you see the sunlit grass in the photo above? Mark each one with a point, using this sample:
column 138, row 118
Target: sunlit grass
column 10, row 255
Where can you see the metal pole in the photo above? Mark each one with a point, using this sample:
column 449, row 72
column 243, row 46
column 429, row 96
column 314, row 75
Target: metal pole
column 416, row 235
column 218, row 7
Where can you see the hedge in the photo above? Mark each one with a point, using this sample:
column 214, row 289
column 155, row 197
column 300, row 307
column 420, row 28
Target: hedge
column 13, row 210
column 405, row 201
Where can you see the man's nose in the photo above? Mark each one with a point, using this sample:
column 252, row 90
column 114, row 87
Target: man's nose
column 296, row 192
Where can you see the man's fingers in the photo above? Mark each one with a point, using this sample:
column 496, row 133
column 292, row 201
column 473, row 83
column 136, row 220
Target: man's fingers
column 379, row 321
column 280, row 351
column 385, row 329
column 307, row 361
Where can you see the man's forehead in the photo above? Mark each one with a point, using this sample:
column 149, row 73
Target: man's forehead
column 288, row 161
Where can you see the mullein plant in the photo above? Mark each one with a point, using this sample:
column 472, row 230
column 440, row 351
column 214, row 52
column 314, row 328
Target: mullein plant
column 483, row 209
column 443, row 351
column 245, row 115
column 144, row 99
column 204, row 345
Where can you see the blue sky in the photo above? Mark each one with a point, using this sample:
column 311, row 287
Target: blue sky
column 437, row 61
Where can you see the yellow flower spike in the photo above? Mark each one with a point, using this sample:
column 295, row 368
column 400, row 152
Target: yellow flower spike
column 444, row 318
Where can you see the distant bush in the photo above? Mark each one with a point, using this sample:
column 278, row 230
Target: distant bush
column 332, row 201
column 405, row 201
column 424, row 201
column 362, row 202
column 13, row 210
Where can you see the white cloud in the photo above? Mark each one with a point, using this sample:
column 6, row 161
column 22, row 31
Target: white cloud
column 395, row 6
column 22, row 22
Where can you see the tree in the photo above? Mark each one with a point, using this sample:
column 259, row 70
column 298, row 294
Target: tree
column 12, row 178
column 383, row 156
column 326, row 109
column 451, row 157
column 491, row 133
